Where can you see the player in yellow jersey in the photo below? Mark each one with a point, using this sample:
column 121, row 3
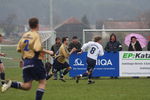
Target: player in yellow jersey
column 61, row 59
column 30, row 47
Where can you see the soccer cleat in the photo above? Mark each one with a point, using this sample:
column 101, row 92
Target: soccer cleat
column 6, row 86
column 91, row 82
column 62, row 80
column 78, row 78
column 2, row 82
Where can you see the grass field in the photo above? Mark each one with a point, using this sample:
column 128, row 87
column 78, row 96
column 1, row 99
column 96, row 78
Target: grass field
column 103, row 89
column 11, row 53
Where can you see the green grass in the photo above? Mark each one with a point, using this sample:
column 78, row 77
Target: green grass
column 11, row 53
column 103, row 89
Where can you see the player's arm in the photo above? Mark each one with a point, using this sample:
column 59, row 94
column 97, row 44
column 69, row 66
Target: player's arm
column 2, row 54
column 18, row 46
column 84, row 47
column 73, row 50
column 38, row 47
column 21, row 63
column 52, row 49
column 48, row 52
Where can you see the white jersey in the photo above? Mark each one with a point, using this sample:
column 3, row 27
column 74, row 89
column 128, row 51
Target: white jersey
column 94, row 49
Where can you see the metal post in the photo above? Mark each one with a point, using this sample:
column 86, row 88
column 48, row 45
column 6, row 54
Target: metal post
column 51, row 14
column 83, row 37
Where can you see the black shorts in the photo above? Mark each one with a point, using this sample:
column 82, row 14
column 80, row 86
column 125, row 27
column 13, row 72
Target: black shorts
column 33, row 70
column 57, row 66
column 90, row 64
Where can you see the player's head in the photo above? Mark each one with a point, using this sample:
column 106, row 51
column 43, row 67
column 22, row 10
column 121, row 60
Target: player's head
column 133, row 39
column 98, row 39
column 34, row 23
column 75, row 39
column 1, row 38
column 113, row 37
column 57, row 40
column 65, row 40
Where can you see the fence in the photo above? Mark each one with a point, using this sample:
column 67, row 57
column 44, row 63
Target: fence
column 122, row 64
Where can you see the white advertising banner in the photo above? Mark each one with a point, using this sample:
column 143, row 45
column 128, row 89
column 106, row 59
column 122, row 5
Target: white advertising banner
column 134, row 63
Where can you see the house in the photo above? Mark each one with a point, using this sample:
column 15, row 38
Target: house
column 118, row 24
column 71, row 27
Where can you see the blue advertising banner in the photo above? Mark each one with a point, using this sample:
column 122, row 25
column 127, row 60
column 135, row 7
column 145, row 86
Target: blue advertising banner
column 107, row 65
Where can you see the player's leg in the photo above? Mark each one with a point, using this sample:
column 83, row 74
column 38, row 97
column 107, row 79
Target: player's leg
column 81, row 75
column 88, row 74
column 90, row 66
column 26, row 85
column 22, row 86
column 2, row 72
column 40, row 90
column 51, row 74
column 40, row 75
column 60, row 73
column 54, row 70
column 67, row 69
column 16, row 85
column 55, row 76
column 90, row 71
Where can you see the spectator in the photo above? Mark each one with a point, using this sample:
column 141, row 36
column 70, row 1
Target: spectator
column 148, row 45
column 57, row 45
column 55, row 49
column 113, row 46
column 75, row 44
column 134, row 45
column 148, row 49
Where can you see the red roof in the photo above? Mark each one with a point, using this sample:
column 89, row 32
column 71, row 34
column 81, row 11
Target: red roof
column 72, row 20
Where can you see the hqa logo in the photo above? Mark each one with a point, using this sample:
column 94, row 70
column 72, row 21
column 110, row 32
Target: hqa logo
column 78, row 62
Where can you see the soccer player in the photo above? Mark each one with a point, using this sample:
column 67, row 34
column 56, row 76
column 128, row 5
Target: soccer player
column 2, row 69
column 61, row 58
column 30, row 47
column 55, row 48
column 95, row 49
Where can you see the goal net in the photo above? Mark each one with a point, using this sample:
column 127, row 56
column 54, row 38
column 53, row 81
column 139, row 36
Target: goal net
column 89, row 34
column 12, row 57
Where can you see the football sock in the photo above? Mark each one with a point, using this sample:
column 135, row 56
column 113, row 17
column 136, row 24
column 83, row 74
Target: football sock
column 85, row 75
column 90, row 76
column 39, row 94
column 65, row 72
column 2, row 76
column 16, row 85
column 48, row 76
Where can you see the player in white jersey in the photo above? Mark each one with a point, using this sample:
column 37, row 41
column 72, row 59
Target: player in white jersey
column 94, row 49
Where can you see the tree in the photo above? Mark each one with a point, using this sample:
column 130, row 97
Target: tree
column 85, row 20
column 9, row 24
column 145, row 18
column 99, row 24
